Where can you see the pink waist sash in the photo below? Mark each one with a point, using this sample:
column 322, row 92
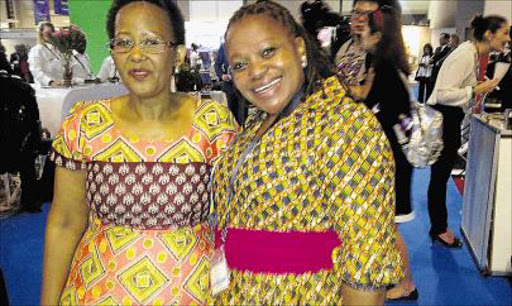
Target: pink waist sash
column 277, row 252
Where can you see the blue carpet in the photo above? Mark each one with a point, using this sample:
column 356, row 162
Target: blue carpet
column 443, row 277
column 21, row 255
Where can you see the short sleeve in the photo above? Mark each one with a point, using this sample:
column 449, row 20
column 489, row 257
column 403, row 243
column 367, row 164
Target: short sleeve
column 67, row 146
column 359, row 178
column 221, row 128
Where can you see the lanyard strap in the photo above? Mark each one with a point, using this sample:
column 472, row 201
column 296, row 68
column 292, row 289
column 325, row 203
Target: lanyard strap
column 51, row 51
column 290, row 107
column 83, row 66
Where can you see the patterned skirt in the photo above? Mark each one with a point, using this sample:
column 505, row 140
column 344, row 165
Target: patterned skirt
column 117, row 265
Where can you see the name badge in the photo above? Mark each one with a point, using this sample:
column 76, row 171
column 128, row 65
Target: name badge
column 219, row 272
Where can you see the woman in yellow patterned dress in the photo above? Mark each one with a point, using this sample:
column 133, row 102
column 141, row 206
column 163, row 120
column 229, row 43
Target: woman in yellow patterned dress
column 127, row 224
column 304, row 194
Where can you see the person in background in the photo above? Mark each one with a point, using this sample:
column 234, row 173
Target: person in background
column 45, row 61
column 4, row 63
column 454, row 42
column 108, row 71
column 128, row 223
column 455, row 87
column 388, row 96
column 437, row 60
column 195, row 59
column 503, row 92
column 204, row 70
column 236, row 105
column 351, row 59
column 19, row 62
column 20, row 138
column 424, row 71
column 293, row 191
column 82, row 66
column 213, row 74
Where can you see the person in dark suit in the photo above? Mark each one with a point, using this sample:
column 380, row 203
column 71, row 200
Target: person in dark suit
column 437, row 60
column 238, row 108
column 4, row 63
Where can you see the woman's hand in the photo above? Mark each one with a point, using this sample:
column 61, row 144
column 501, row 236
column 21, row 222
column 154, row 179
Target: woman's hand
column 486, row 86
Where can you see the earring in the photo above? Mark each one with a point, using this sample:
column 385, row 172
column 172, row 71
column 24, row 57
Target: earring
column 176, row 70
column 304, row 62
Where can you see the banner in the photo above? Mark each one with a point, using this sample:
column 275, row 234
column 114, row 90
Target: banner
column 41, row 11
column 61, row 7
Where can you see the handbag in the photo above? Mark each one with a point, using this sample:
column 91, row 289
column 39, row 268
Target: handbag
column 420, row 134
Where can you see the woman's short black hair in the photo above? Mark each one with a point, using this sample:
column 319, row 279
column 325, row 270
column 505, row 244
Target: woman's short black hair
column 173, row 11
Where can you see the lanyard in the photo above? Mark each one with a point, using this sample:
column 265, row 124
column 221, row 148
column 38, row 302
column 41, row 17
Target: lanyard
column 51, row 51
column 89, row 75
column 290, row 107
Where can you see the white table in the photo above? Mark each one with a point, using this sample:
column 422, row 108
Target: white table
column 54, row 103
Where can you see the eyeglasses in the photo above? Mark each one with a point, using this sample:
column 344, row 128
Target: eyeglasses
column 153, row 45
column 360, row 13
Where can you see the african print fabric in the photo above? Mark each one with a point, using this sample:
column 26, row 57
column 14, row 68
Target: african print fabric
column 350, row 61
column 326, row 166
column 147, row 242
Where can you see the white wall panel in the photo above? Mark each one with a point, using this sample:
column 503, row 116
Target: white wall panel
column 499, row 7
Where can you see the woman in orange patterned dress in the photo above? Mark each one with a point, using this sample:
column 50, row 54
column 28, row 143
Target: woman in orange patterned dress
column 128, row 221
column 304, row 195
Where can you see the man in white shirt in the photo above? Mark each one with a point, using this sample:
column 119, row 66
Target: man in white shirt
column 108, row 71
column 195, row 60
column 81, row 64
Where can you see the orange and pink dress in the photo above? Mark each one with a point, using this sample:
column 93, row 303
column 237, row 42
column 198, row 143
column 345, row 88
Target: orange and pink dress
column 147, row 240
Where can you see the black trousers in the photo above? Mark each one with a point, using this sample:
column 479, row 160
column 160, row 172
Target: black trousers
column 403, row 171
column 423, row 84
column 441, row 170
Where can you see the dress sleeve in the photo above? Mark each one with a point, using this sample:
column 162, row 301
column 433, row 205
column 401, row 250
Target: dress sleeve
column 222, row 125
column 67, row 146
column 359, row 188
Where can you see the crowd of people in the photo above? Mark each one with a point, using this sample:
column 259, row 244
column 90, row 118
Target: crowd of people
column 42, row 64
column 161, row 198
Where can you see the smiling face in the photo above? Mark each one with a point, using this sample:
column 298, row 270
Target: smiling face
column 266, row 60
column 145, row 74
column 500, row 38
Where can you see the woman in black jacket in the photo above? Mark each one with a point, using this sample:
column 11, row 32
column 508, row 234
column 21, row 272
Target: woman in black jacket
column 388, row 97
